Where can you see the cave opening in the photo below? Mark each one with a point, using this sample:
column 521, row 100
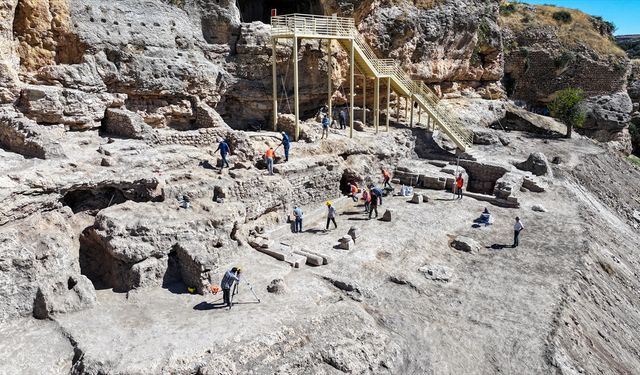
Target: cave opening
column 92, row 200
column 254, row 10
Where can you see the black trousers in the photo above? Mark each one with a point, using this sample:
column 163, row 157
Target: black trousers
column 330, row 219
column 226, row 295
column 373, row 208
column 516, row 238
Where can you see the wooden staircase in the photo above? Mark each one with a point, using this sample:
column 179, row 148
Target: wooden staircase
column 345, row 32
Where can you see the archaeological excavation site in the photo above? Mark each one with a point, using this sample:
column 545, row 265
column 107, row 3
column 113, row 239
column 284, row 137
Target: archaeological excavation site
column 317, row 187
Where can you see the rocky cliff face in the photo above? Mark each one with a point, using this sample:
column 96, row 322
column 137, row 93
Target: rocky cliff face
column 453, row 45
column 549, row 48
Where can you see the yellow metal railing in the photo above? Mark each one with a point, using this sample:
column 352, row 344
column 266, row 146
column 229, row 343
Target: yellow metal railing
column 305, row 24
column 344, row 28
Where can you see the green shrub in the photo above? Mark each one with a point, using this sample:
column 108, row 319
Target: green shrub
column 567, row 107
column 562, row 16
column 508, row 8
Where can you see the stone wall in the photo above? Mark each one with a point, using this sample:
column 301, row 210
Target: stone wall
column 542, row 55
column 482, row 176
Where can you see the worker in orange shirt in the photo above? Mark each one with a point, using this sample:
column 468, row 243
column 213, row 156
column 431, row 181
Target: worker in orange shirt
column 386, row 177
column 354, row 191
column 269, row 156
column 459, row 184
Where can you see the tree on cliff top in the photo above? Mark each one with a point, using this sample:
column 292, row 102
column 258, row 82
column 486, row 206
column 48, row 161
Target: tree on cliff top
column 567, row 107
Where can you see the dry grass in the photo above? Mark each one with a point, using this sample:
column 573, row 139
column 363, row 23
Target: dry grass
column 580, row 30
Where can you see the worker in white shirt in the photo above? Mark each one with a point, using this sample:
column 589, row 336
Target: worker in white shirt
column 517, row 228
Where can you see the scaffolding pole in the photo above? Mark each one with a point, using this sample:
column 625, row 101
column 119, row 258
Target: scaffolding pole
column 388, row 100
column 351, row 85
column 364, row 99
column 295, row 87
column 274, row 72
column 376, row 104
column 329, row 90
column 411, row 121
column 406, row 109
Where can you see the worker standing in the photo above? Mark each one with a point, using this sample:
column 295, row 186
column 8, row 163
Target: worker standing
column 373, row 205
column 268, row 157
column 331, row 215
column 325, row 126
column 386, row 177
column 517, row 228
column 223, row 147
column 366, row 197
column 343, row 119
column 376, row 194
column 297, row 213
column 459, row 184
column 230, row 277
column 285, row 144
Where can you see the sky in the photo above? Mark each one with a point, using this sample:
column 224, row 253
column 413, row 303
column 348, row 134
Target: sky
column 625, row 14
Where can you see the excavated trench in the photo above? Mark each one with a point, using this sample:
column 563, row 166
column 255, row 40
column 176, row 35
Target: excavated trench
column 482, row 177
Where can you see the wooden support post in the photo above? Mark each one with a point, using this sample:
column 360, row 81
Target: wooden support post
column 274, row 72
column 428, row 122
column 376, row 104
column 329, row 88
column 411, row 104
column 397, row 108
column 351, row 86
column 364, row 99
column 406, row 109
column 419, row 114
column 295, row 87
column 388, row 100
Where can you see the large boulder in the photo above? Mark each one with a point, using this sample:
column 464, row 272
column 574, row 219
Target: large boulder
column 24, row 136
column 536, row 163
column 76, row 109
column 124, row 123
column 125, row 250
column 39, row 269
column 609, row 113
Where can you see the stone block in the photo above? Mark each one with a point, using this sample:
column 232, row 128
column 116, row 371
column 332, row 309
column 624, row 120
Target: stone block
column 124, row 123
column 278, row 254
column 325, row 259
column 346, row 243
column 312, row 259
column 465, row 244
column 387, row 215
column 295, row 260
column 417, row 198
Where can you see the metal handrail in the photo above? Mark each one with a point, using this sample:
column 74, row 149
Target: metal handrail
column 326, row 26
column 342, row 27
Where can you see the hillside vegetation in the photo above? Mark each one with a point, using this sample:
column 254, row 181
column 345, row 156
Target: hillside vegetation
column 572, row 27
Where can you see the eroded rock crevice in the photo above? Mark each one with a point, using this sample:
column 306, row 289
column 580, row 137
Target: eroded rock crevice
column 93, row 199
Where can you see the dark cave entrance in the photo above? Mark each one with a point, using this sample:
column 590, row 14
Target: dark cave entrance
column 253, row 10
